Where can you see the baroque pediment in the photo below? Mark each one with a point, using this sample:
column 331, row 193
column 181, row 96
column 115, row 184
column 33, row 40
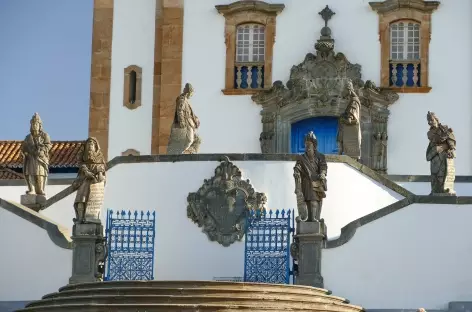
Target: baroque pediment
column 322, row 77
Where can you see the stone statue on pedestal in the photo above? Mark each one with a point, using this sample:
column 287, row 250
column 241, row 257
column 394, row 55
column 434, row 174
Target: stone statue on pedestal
column 183, row 136
column 35, row 150
column 349, row 129
column 90, row 183
column 440, row 153
column 310, row 187
column 310, row 180
column 89, row 251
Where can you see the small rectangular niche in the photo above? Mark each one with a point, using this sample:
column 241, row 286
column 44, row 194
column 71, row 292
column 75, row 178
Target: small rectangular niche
column 132, row 87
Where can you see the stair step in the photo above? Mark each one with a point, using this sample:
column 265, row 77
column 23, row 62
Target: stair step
column 235, row 293
column 199, row 300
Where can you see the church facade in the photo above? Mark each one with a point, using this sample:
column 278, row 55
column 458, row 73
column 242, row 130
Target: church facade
column 143, row 55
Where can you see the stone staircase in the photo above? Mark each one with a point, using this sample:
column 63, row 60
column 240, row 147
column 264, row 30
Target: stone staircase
column 173, row 296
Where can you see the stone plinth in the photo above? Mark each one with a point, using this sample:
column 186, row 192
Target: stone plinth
column 351, row 140
column 88, row 253
column 33, row 201
column 308, row 242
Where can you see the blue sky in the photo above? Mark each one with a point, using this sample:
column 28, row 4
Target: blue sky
column 45, row 61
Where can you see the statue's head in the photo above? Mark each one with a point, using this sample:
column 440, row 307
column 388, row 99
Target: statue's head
column 311, row 143
column 36, row 125
column 92, row 152
column 433, row 121
column 188, row 90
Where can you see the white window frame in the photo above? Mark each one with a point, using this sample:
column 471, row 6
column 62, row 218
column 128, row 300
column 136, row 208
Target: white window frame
column 408, row 41
column 250, row 55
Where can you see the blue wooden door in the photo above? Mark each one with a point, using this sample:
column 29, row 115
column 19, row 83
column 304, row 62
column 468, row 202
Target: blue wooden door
column 325, row 129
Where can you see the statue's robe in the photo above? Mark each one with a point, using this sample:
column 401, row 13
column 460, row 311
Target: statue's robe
column 441, row 143
column 313, row 189
column 183, row 136
column 349, row 133
column 36, row 160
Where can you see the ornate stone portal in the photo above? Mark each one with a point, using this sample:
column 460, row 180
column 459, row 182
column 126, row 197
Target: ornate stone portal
column 317, row 87
column 221, row 204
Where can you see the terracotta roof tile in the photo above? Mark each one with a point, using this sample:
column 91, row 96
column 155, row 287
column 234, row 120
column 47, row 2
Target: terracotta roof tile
column 63, row 154
column 8, row 174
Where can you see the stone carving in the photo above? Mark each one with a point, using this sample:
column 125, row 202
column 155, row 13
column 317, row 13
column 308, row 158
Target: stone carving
column 220, row 206
column 90, row 183
column 316, row 88
column 310, row 180
column 349, row 126
column 35, row 150
column 440, row 153
column 266, row 140
column 380, row 152
column 183, row 136
column 101, row 254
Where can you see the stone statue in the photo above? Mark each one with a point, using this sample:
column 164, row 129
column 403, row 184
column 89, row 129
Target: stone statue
column 349, row 129
column 183, row 137
column 35, row 150
column 310, row 180
column 441, row 152
column 90, row 183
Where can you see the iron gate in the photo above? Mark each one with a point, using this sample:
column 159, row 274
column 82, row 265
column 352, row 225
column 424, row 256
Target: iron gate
column 267, row 250
column 130, row 243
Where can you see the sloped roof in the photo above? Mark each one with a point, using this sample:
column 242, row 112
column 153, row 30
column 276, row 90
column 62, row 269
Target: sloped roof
column 63, row 154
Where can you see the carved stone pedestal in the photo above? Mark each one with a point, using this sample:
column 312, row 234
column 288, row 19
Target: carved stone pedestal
column 33, row 201
column 351, row 144
column 89, row 253
column 306, row 250
column 450, row 177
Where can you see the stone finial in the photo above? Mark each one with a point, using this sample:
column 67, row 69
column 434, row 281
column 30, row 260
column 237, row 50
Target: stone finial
column 326, row 14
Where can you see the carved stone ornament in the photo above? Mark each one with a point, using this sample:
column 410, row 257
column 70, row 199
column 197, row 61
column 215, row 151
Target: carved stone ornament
column 221, row 204
column 316, row 88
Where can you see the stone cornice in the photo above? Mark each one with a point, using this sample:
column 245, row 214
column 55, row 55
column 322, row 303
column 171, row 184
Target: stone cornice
column 58, row 234
column 348, row 231
column 394, row 5
column 244, row 6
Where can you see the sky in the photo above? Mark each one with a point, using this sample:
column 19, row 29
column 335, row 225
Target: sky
column 45, row 58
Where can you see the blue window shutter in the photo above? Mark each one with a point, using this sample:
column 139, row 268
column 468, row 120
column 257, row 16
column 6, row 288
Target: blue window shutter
column 325, row 129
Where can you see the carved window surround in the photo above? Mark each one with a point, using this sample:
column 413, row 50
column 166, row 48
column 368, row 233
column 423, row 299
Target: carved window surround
column 132, row 87
column 242, row 12
column 418, row 11
column 130, row 152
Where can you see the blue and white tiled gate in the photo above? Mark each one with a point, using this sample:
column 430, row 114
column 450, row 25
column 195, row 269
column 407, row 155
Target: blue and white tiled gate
column 267, row 250
column 130, row 244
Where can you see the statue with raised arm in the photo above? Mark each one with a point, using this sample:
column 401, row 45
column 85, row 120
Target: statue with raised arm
column 349, row 128
column 90, row 183
column 440, row 153
column 310, row 180
column 35, row 150
column 183, row 135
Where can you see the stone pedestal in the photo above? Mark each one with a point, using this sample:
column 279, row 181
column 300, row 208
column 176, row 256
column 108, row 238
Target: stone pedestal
column 306, row 250
column 351, row 140
column 89, row 253
column 33, row 201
